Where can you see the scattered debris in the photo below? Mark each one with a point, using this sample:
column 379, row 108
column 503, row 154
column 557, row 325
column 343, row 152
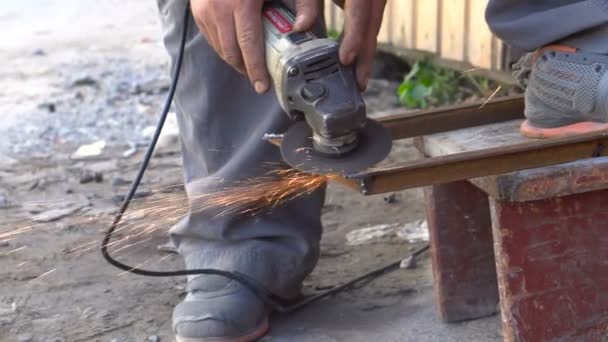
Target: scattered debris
column 38, row 52
column 412, row 232
column 25, row 338
column 152, row 86
column 169, row 136
column 4, row 201
column 408, row 263
column 416, row 231
column 7, row 310
column 130, row 152
column 49, row 106
column 390, row 198
column 102, row 166
column 167, row 247
column 54, row 214
column 96, row 212
column 382, row 232
column 88, row 177
column 83, row 81
column 91, row 150
column 118, row 181
column 153, row 338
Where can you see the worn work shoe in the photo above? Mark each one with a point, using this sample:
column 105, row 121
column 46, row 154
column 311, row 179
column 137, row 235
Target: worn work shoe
column 566, row 92
column 217, row 309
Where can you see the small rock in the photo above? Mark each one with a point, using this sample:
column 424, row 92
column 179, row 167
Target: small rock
column 3, row 201
column 88, row 313
column 169, row 136
column 54, row 214
column 382, row 232
column 91, row 150
column 89, row 177
column 4, row 244
column 130, row 152
column 118, row 198
column 86, row 80
column 25, row 338
column 38, row 52
column 391, row 198
column 96, row 212
column 153, row 338
column 414, row 231
column 408, row 263
column 120, row 181
column 49, row 106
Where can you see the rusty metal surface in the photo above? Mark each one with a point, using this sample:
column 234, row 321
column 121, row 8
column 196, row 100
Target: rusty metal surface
column 551, row 266
column 486, row 162
column 464, row 271
column 414, row 124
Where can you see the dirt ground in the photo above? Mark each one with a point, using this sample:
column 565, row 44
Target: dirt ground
column 62, row 88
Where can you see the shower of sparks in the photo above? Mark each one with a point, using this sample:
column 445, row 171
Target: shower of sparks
column 13, row 251
column 471, row 70
column 44, row 275
column 167, row 206
column 491, row 97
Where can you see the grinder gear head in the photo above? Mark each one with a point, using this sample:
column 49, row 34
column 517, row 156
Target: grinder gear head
column 312, row 85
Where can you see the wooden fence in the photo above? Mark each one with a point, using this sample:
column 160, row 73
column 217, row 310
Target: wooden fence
column 454, row 31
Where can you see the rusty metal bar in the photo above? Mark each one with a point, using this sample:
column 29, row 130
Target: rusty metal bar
column 481, row 163
column 414, row 124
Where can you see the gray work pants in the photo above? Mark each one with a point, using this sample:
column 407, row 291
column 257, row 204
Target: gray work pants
column 222, row 122
column 531, row 24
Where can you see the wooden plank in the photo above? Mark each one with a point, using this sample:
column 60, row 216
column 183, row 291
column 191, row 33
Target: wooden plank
column 329, row 15
column 453, row 27
column 404, row 23
column 386, row 31
column 480, row 37
column 427, row 25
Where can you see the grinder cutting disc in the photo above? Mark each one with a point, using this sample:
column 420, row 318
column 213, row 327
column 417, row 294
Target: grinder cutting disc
column 297, row 150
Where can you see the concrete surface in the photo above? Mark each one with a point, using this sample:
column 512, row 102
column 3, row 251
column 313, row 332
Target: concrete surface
column 113, row 24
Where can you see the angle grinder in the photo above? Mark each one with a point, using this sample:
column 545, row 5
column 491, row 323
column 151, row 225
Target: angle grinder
column 331, row 133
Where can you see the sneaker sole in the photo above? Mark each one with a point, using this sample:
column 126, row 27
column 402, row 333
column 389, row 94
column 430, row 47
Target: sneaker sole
column 531, row 131
column 255, row 335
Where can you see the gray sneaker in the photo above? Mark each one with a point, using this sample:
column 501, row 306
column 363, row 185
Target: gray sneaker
column 566, row 92
column 217, row 309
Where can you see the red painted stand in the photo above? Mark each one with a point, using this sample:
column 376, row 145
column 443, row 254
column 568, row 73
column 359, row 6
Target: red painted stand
column 536, row 242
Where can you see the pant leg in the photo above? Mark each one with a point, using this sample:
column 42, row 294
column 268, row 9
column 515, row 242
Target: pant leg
column 222, row 122
column 529, row 25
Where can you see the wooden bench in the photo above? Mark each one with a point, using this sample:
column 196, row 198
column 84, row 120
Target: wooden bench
column 533, row 244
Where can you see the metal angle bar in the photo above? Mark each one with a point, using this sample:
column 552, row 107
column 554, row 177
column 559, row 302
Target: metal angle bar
column 487, row 162
column 414, row 124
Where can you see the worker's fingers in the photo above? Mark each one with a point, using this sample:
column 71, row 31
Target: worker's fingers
column 250, row 37
column 230, row 50
column 356, row 26
column 367, row 54
column 307, row 12
column 206, row 22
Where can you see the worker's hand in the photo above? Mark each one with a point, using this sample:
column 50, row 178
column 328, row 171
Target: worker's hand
column 234, row 29
column 363, row 19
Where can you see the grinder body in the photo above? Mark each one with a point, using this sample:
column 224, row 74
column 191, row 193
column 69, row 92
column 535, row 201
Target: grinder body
column 311, row 83
column 332, row 133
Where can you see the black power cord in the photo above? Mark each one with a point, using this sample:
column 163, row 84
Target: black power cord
column 279, row 304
